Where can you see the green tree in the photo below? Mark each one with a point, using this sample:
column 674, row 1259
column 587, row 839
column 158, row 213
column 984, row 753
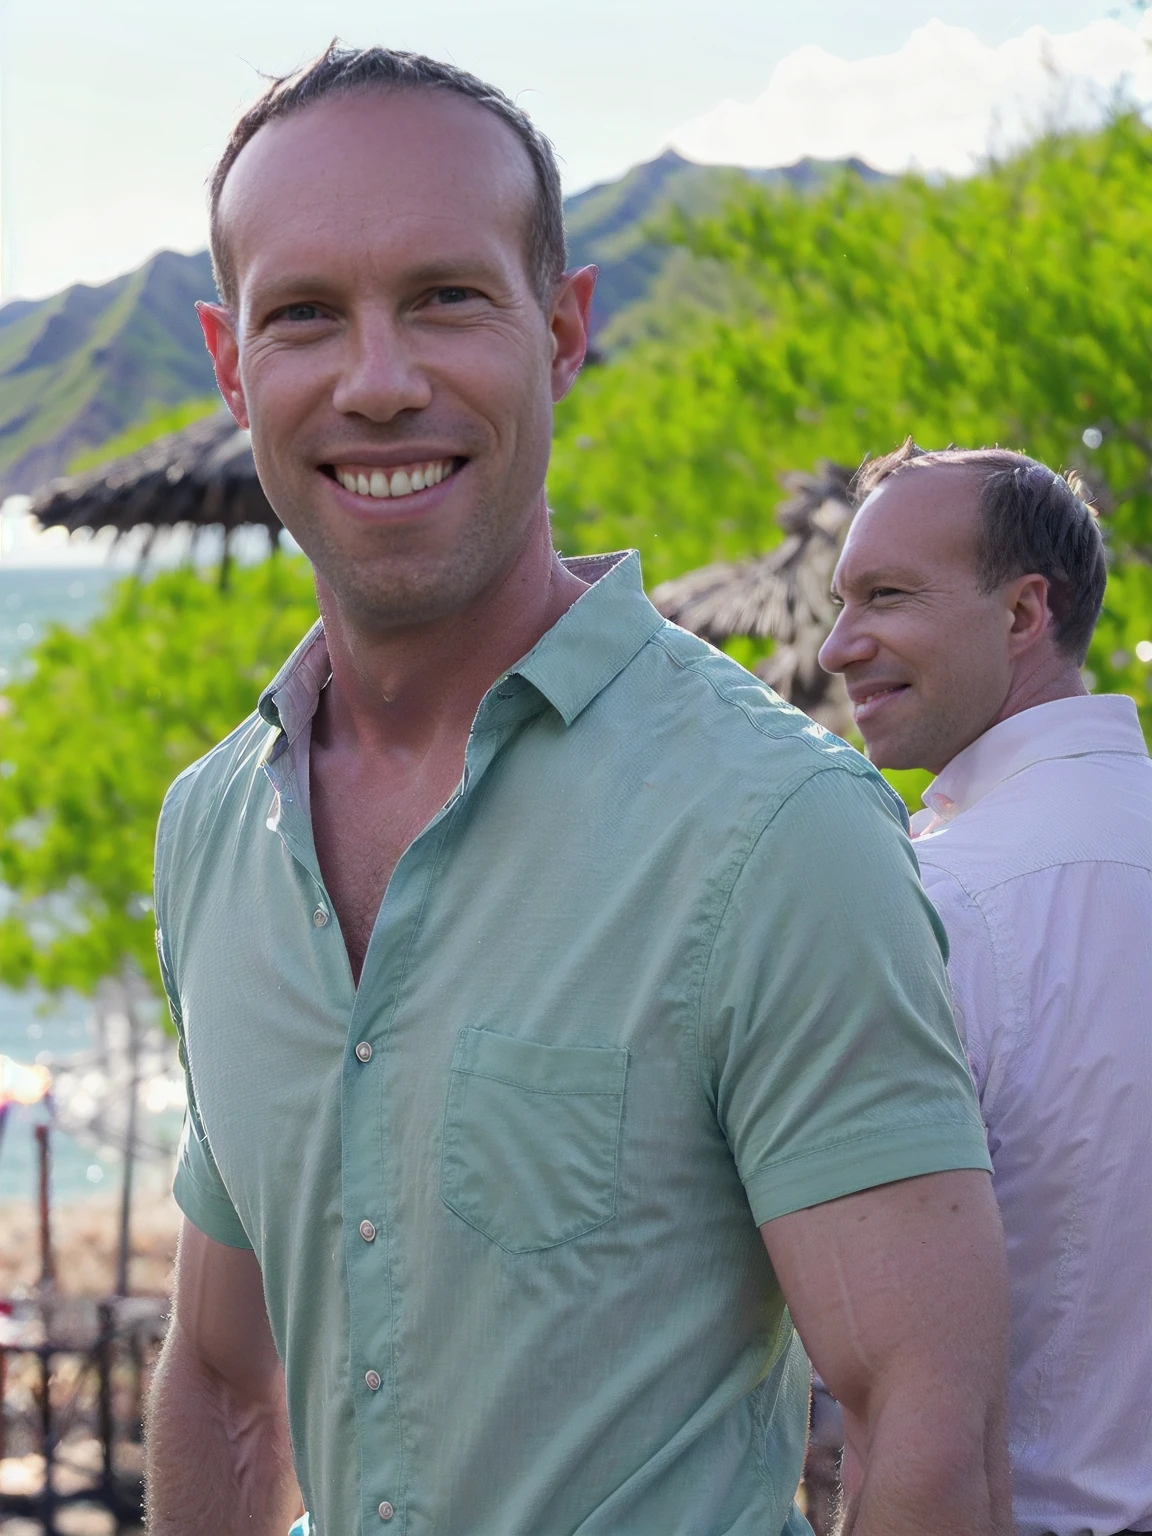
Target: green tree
column 92, row 737
column 1014, row 306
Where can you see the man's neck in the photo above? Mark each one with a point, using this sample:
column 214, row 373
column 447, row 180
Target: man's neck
column 409, row 686
column 1058, row 679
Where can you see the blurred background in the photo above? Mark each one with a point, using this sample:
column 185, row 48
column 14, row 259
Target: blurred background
column 819, row 228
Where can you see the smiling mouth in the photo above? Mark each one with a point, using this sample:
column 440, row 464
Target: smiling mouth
column 376, row 483
column 869, row 703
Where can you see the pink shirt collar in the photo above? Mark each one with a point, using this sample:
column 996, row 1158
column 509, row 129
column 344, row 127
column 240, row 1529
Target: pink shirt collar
column 1075, row 727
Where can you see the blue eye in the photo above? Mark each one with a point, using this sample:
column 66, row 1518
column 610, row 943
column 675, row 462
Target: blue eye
column 299, row 312
column 454, row 295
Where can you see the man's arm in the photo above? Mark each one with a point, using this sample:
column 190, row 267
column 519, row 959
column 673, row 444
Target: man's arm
column 219, row 1458
column 899, row 1294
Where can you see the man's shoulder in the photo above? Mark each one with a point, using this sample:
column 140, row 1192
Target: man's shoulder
column 1096, row 808
column 225, row 770
column 713, row 712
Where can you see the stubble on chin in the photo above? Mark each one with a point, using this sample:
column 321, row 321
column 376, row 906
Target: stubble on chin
column 387, row 596
column 917, row 746
column 407, row 588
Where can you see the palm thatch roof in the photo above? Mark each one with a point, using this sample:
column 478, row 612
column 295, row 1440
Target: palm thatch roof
column 203, row 476
column 784, row 595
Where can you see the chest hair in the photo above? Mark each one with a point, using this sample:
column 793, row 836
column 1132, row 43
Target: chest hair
column 363, row 818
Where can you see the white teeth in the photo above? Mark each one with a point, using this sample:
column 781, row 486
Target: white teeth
column 378, row 483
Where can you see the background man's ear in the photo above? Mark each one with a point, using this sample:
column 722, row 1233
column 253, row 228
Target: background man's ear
column 1027, row 599
column 570, row 318
column 220, row 338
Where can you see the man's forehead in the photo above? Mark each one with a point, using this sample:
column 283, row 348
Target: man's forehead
column 401, row 143
column 932, row 492
column 913, row 521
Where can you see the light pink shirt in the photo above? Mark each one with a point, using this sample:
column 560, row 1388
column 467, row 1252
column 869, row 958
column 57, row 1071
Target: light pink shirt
column 1036, row 848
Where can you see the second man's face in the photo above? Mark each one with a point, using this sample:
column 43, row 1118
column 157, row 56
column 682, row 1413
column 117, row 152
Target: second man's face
column 923, row 651
column 392, row 358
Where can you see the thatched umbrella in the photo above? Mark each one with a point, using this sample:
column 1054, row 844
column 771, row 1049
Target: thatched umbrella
column 204, row 476
column 784, row 595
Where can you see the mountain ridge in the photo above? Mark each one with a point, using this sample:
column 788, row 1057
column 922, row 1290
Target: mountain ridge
column 80, row 366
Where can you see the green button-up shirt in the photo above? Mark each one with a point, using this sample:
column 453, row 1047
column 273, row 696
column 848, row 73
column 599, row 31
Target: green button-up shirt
column 659, row 971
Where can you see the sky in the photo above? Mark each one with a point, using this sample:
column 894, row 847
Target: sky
column 111, row 114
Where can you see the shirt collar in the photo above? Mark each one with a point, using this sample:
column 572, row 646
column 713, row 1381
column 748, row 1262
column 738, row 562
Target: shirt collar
column 290, row 699
column 596, row 638
column 1075, row 727
column 569, row 665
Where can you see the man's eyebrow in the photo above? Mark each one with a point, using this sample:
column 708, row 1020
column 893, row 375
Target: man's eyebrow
column 281, row 288
column 452, row 270
column 882, row 576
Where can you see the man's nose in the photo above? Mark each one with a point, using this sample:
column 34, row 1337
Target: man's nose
column 846, row 644
column 381, row 375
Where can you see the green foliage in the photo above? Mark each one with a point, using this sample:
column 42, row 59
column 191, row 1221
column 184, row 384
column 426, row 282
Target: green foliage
column 92, row 739
column 665, row 449
column 909, row 783
column 157, row 424
column 1126, row 622
column 1012, row 307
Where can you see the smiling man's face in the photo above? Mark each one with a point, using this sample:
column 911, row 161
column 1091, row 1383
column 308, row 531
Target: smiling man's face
column 924, row 652
column 387, row 349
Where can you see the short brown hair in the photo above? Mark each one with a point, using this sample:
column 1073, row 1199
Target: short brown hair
column 341, row 72
column 1031, row 520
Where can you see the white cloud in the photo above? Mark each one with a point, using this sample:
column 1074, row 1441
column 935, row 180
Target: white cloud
column 940, row 103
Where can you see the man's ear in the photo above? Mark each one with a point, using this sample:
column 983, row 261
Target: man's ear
column 1026, row 599
column 219, row 329
column 570, row 317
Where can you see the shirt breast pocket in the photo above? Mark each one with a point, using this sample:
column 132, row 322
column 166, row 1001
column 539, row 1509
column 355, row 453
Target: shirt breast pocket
column 531, row 1138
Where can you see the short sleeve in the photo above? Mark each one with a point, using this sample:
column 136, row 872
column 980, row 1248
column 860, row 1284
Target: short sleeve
column 827, row 1035
column 197, row 1187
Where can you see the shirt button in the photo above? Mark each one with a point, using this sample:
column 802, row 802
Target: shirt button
column 385, row 1511
column 363, row 1051
column 367, row 1231
column 373, row 1380
column 320, row 916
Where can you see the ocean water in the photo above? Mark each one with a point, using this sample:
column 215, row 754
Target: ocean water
column 58, row 1031
column 32, row 598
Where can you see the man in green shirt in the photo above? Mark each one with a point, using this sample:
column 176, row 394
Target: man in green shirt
column 557, row 1005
